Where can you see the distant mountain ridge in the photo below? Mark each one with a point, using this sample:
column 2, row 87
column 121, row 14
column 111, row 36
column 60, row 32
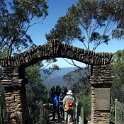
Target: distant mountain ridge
column 75, row 76
column 56, row 77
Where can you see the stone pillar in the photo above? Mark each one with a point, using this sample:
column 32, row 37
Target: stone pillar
column 14, row 90
column 101, row 81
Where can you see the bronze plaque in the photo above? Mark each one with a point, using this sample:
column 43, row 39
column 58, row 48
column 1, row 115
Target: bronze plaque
column 102, row 98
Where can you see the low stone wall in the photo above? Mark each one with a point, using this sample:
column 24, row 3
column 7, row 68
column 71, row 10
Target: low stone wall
column 14, row 106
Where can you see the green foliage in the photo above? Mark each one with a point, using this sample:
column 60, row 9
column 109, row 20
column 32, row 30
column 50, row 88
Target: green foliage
column 118, row 73
column 118, row 8
column 36, row 91
column 82, row 92
column 3, row 53
column 92, row 22
column 86, row 103
column 16, row 17
column 69, row 79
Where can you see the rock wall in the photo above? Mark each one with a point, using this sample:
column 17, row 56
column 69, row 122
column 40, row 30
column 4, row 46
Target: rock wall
column 100, row 79
column 14, row 106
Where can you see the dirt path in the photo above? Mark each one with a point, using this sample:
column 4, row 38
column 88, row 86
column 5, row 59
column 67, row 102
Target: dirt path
column 61, row 122
column 56, row 121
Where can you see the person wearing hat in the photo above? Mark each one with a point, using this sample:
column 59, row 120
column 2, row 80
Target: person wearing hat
column 67, row 108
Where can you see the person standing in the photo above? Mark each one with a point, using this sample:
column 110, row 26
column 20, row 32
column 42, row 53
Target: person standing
column 56, row 104
column 68, row 103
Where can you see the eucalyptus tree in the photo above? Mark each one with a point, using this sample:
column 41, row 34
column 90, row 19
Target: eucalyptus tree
column 16, row 17
column 91, row 22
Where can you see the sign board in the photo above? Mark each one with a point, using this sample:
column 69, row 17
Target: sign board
column 102, row 98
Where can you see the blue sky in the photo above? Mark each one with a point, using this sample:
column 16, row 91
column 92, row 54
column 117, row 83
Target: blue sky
column 58, row 8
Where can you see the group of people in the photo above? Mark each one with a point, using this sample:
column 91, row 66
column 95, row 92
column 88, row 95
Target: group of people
column 63, row 103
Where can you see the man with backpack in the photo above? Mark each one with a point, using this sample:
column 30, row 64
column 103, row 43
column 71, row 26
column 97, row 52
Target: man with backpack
column 68, row 103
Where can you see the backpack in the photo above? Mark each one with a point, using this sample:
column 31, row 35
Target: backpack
column 56, row 101
column 69, row 105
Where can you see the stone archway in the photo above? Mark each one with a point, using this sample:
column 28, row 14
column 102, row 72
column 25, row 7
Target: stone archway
column 14, row 79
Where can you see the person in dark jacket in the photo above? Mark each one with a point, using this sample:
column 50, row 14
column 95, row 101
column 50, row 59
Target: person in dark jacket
column 56, row 105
